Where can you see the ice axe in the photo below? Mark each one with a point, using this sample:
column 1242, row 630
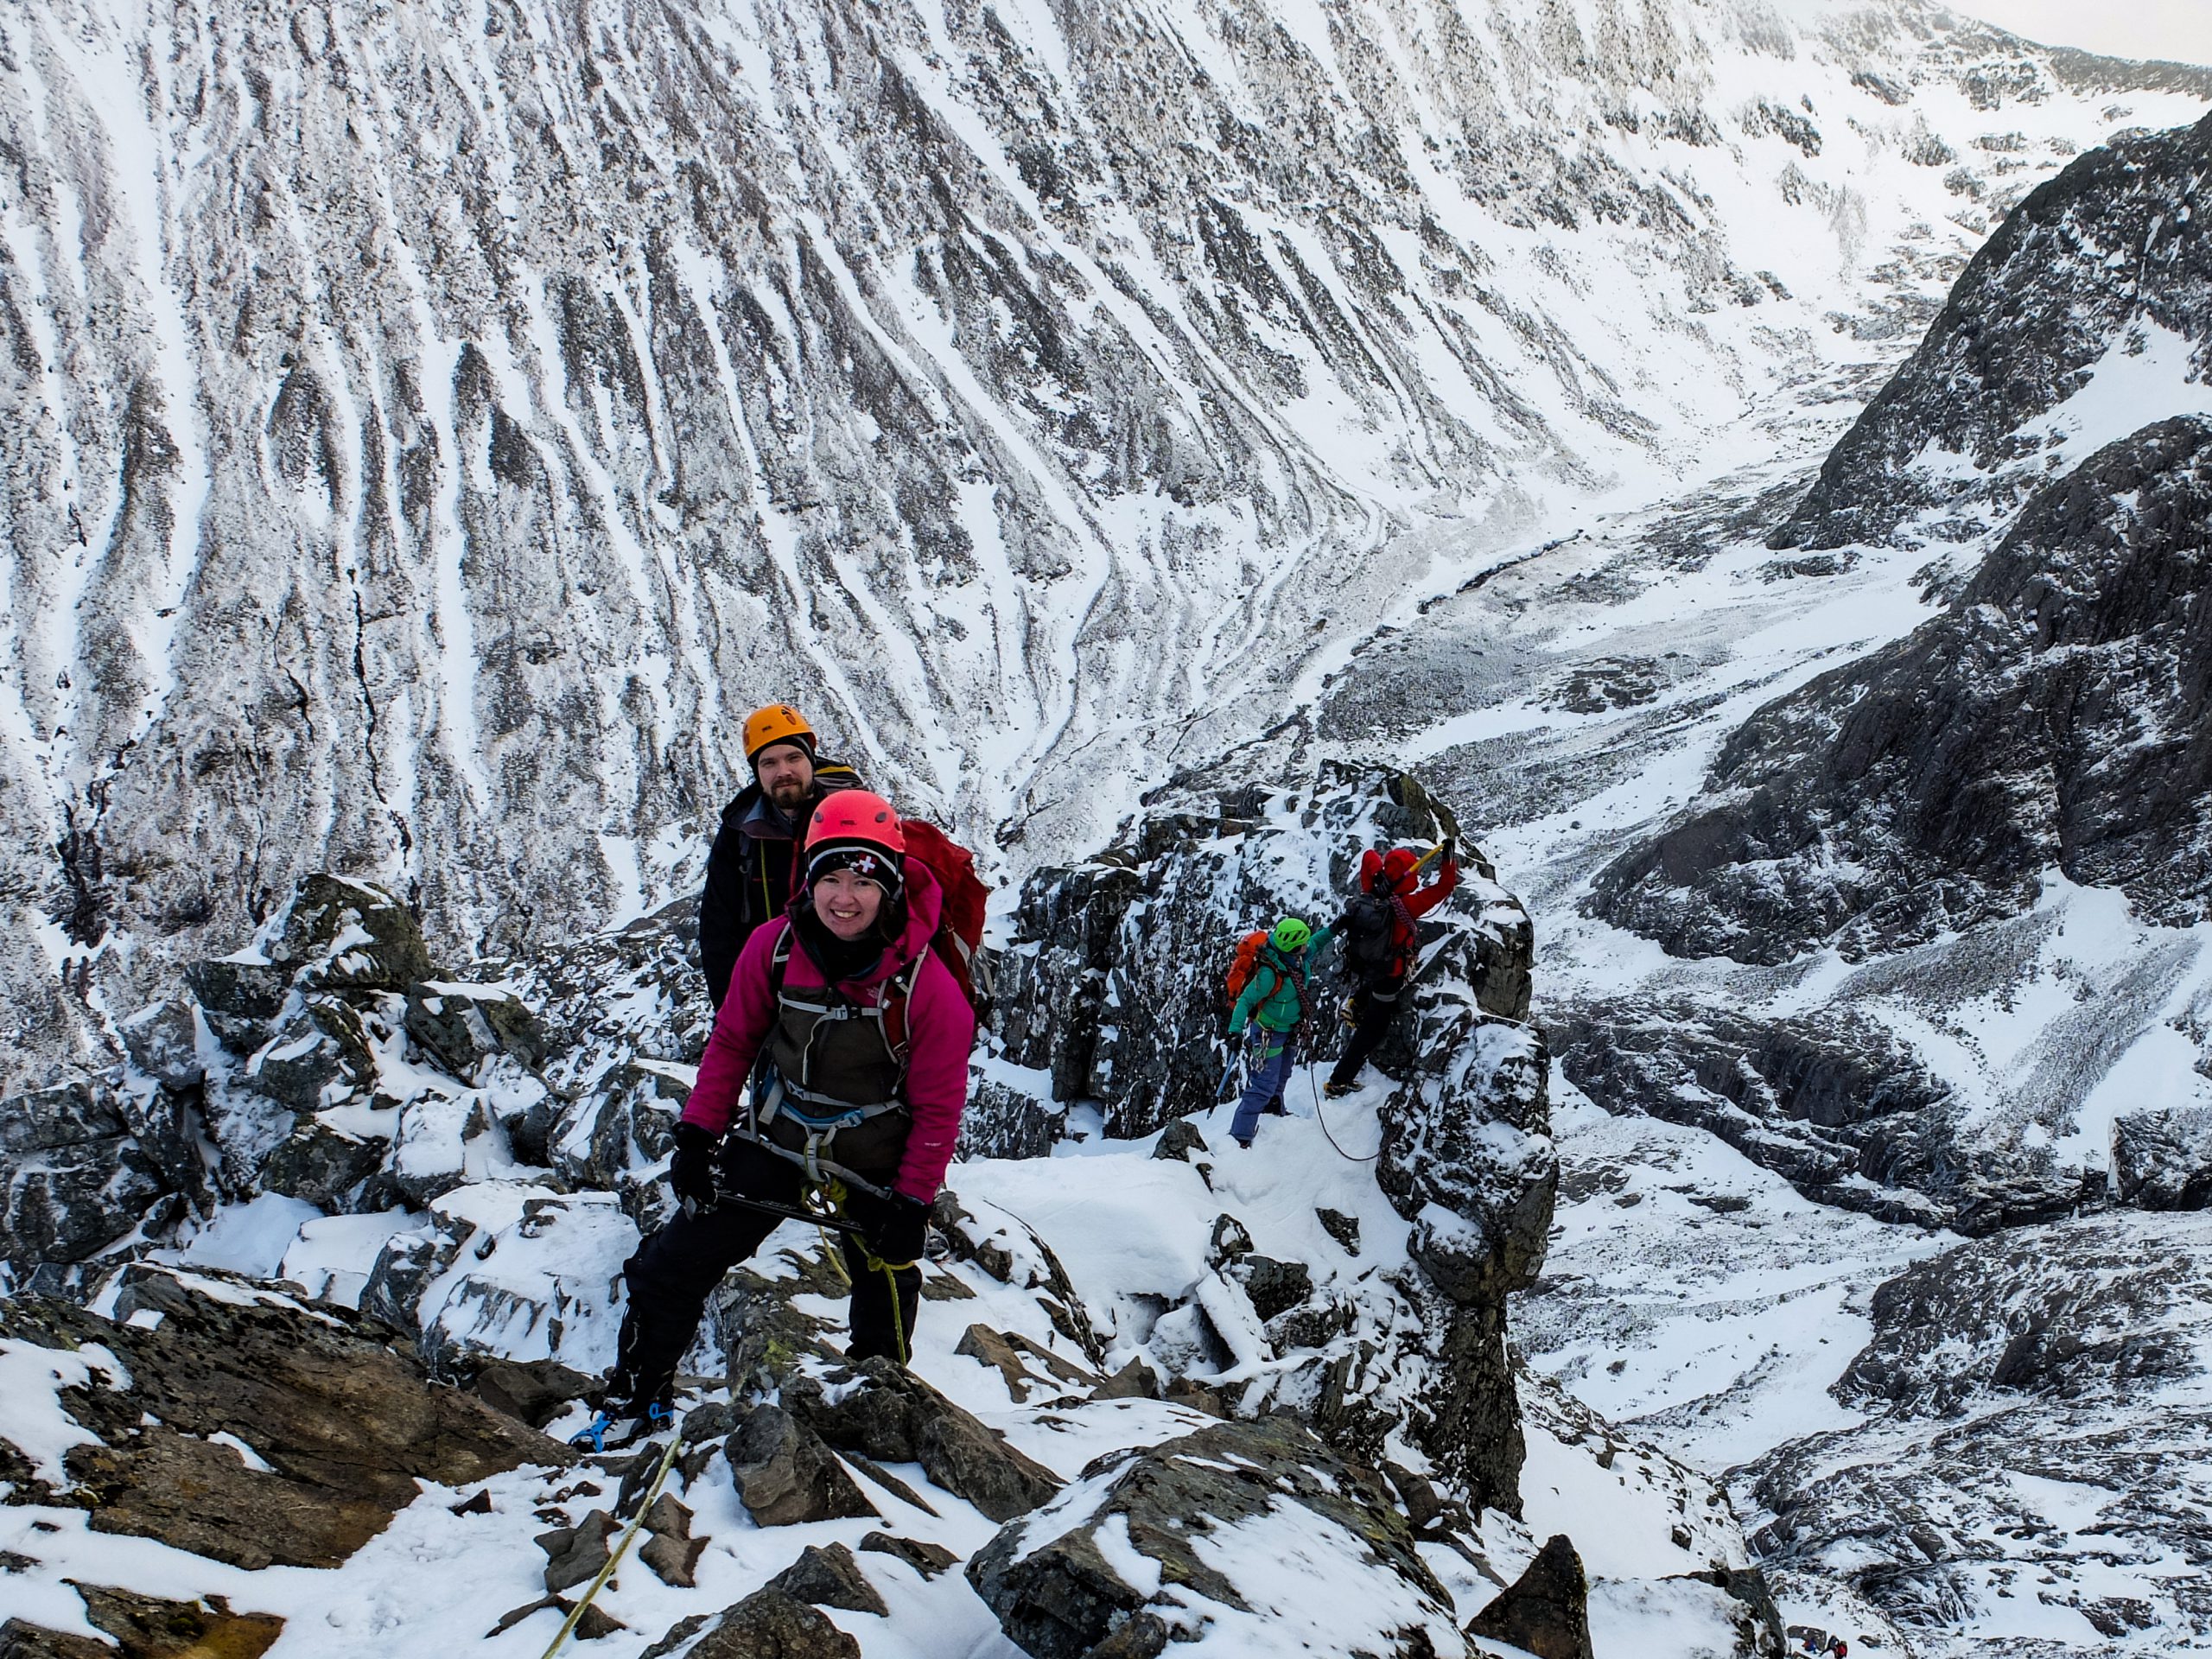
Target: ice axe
column 828, row 1218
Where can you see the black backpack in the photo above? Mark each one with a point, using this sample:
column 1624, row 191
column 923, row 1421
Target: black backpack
column 1368, row 923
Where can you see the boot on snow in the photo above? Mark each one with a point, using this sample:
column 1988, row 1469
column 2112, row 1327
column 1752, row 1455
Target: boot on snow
column 1334, row 1091
column 614, row 1428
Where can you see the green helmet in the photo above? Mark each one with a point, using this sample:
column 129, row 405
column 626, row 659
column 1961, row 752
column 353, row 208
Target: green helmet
column 1290, row 934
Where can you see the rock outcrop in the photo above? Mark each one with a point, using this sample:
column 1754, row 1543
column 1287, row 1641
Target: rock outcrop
column 1546, row 1610
column 2020, row 1400
column 883, row 1411
column 2053, row 717
column 1834, row 1102
column 2075, row 280
column 1112, row 991
column 336, row 1426
column 1112, row 985
column 1139, row 1555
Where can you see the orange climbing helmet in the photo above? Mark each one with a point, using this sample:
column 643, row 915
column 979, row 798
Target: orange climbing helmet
column 778, row 723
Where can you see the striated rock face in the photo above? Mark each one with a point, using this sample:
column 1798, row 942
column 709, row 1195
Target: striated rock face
column 2055, row 716
column 1150, row 1546
column 426, row 434
column 2101, row 264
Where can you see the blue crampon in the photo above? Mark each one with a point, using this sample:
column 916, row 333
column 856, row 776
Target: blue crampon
column 592, row 1436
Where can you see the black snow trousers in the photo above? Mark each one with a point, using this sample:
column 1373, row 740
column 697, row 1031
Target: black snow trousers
column 1373, row 1008
column 675, row 1270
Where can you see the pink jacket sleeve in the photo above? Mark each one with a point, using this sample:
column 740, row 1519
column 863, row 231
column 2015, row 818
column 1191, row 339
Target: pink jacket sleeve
column 941, row 1034
column 740, row 1029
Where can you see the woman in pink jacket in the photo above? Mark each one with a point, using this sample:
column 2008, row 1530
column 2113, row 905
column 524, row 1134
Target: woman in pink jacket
column 840, row 1050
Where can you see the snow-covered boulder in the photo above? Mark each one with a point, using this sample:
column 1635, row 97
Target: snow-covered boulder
column 1210, row 1539
column 77, row 1176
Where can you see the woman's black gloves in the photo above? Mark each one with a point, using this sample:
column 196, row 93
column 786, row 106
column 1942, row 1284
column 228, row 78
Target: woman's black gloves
column 898, row 1230
column 691, row 1171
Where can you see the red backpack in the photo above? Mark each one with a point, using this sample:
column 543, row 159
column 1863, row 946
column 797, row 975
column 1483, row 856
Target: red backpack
column 1247, row 958
column 959, row 936
column 957, row 941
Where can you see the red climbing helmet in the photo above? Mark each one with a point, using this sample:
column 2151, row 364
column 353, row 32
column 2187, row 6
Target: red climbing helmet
column 855, row 817
column 1399, row 863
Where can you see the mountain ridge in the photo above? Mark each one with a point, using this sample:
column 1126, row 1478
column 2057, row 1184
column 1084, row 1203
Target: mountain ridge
column 429, row 435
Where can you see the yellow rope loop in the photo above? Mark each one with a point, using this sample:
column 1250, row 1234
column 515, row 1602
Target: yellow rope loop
column 660, row 1477
column 898, row 1319
column 836, row 1255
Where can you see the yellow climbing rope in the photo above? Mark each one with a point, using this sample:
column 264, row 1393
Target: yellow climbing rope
column 660, row 1477
column 835, row 1193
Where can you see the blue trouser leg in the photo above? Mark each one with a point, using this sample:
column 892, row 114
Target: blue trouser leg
column 1265, row 1084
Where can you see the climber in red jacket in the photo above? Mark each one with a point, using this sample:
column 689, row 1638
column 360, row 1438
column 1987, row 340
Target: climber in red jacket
column 1380, row 945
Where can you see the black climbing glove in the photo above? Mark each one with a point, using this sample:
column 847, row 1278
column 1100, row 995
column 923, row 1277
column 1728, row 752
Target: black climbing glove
column 691, row 1171
column 897, row 1229
column 1451, row 849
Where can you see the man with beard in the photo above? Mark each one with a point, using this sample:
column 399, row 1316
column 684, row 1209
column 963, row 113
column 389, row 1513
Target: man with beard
column 752, row 873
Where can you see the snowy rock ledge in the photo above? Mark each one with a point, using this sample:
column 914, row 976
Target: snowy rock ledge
column 1112, row 991
column 1237, row 1539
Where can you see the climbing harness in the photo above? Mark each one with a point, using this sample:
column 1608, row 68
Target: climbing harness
column 598, row 1583
column 820, row 1219
column 829, row 1217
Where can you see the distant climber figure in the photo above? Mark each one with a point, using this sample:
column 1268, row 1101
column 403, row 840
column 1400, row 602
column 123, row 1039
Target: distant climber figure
column 861, row 1034
column 1273, row 1004
column 752, row 871
column 1382, row 943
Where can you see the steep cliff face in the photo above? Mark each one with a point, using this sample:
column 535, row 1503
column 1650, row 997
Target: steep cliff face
column 1112, row 984
column 2053, row 718
column 1111, row 999
column 427, row 425
column 1986, row 843
column 2094, row 296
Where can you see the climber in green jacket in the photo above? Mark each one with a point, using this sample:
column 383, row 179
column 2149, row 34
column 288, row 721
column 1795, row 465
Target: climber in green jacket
column 1273, row 1004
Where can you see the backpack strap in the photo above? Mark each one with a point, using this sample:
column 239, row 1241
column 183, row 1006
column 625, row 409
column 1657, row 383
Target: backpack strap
column 889, row 1011
column 1401, row 917
column 1272, row 962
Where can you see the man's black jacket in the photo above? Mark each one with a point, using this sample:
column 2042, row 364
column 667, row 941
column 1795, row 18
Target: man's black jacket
column 751, row 873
